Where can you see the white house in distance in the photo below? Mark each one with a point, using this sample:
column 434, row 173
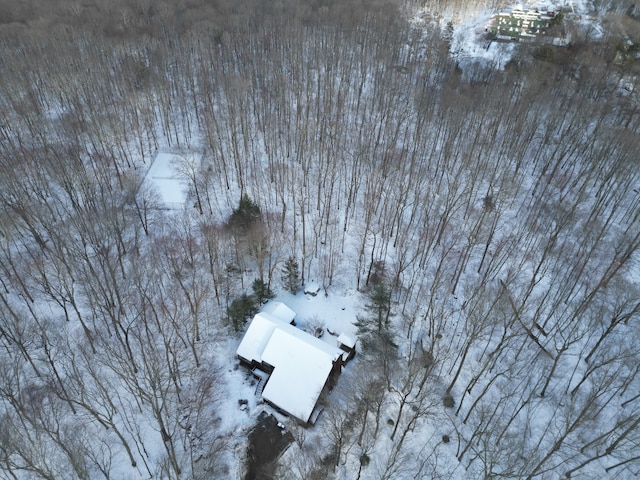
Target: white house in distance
column 294, row 366
column 166, row 176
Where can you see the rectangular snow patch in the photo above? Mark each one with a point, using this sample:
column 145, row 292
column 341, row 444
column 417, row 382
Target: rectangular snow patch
column 167, row 176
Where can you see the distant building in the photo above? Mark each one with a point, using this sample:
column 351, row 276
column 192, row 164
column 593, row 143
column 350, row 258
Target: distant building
column 294, row 368
column 520, row 24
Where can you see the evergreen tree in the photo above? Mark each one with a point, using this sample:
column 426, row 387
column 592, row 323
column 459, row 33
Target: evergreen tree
column 261, row 291
column 291, row 275
column 379, row 306
column 373, row 327
column 247, row 214
column 241, row 309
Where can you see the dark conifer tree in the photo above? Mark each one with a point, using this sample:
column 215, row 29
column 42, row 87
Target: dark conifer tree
column 261, row 291
column 291, row 275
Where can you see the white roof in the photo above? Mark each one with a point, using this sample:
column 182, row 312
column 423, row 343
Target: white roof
column 299, row 375
column 301, row 362
column 347, row 340
column 280, row 310
column 258, row 334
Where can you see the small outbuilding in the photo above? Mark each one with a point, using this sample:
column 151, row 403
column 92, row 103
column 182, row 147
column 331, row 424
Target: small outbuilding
column 347, row 344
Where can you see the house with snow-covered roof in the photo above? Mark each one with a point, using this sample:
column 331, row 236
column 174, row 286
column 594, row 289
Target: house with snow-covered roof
column 294, row 367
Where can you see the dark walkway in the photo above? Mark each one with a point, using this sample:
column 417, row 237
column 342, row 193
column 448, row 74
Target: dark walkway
column 266, row 442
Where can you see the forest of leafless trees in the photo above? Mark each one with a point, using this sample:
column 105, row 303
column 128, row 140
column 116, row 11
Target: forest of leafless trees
column 490, row 218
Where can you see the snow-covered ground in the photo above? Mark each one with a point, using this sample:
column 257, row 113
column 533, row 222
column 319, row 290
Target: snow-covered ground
column 336, row 311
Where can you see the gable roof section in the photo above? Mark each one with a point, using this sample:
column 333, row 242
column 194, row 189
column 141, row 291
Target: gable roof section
column 280, row 311
column 258, row 334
